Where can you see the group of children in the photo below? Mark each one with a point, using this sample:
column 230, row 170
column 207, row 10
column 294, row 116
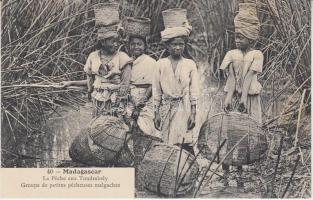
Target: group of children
column 161, row 96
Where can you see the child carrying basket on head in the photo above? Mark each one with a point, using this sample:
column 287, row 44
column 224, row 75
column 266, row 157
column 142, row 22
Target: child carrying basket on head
column 244, row 64
column 175, row 83
column 108, row 69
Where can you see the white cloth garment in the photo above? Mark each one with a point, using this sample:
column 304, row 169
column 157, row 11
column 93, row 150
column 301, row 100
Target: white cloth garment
column 176, row 92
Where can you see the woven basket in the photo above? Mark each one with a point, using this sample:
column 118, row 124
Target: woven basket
column 229, row 192
column 81, row 153
column 138, row 26
column 106, row 14
column 248, row 8
column 233, row 127
column 158, row 170
column 174, row 17
column 106, row 32
column 103, row 143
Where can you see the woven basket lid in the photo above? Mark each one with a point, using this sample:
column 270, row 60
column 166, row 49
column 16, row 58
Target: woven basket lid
column 107, row 31
column 174, row 17
column 106, row 14
column 137, row 26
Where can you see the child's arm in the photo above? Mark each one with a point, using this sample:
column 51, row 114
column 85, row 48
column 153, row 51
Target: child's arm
column 245, row 88
column 89, row 82
column 231, row 79
column 148, row 94
column 232, row 87
column 125, row 80
column 74, row 83
column 256, row 67
column 157, row 96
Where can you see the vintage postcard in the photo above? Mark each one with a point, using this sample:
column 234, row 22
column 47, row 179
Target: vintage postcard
column 155, row 99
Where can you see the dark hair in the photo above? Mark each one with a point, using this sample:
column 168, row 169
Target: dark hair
column 138, row 37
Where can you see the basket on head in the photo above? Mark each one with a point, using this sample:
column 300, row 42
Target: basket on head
column 174, row 17
column 137, row 26
column 106, row 14
column 107, row 31
column 245, row 140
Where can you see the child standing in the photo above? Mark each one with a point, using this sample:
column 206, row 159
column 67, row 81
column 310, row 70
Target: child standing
column 108, row 72
column 244, row 64
column 108, row 69
column 175, row 83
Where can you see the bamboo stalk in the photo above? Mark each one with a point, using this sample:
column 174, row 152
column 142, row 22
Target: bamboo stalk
column 40, row 86
column 176, row 176
column 293, row 173
column 271, row 191
column 207, row 170
column 299, row 117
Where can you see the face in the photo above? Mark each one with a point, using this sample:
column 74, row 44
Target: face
column 241, row 41
column 111, row 44
column 136, row 46
column 176, row 46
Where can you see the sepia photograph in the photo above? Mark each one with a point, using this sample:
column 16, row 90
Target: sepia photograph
column 200, row 98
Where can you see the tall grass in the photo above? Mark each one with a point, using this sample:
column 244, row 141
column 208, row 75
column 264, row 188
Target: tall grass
column 43, row 43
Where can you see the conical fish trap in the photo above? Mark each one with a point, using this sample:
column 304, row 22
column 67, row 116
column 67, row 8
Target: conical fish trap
column 158, row 170
column 104, row 142
column 233, row 127
column 81, row 153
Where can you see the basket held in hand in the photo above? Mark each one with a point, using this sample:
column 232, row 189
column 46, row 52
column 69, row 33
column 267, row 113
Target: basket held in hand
column 158, row 170
column 105, row 143
column 233, row 127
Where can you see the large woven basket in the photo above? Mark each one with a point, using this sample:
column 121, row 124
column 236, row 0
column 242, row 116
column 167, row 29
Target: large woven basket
column 174, row 17
column 106, row 14
column 233, row 127
column 137, row 26
column 158, row 170
column 103, row 143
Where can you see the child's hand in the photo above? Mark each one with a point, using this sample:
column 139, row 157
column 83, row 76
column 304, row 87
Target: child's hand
column 89, row 96
column 123, row 90
column 112, row 72
column 157, row 121
column 227, row 105
column 191, row 121
column 135, row 114
column 142, row 102
column 103, row 70
column 242, row 107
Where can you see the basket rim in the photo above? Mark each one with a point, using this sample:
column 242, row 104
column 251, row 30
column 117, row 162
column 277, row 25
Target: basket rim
column 174, row 9
column 177, row 148
column 236, row 113
column 98, row 6
column 138, row 19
